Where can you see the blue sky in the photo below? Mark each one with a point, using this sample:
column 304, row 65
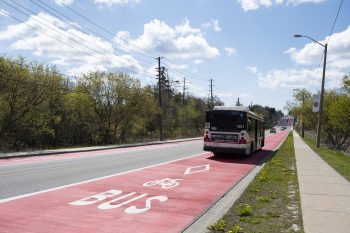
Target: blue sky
column 245, row 46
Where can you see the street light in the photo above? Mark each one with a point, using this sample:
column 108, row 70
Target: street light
column 322, row 88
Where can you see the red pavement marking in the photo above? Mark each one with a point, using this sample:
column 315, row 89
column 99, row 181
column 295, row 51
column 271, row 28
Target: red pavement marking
column 169, row 209
column 58, row 157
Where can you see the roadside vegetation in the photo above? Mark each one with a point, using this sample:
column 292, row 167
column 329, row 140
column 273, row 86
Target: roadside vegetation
column 336, row 114
column 335, row 135
column 271, row 203
column 41, row 108
column 271, row 115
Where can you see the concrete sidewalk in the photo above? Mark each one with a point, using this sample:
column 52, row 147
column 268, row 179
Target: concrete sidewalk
column 325, row 195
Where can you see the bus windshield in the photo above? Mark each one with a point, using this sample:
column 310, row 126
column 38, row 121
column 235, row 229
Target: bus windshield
column 226, row 120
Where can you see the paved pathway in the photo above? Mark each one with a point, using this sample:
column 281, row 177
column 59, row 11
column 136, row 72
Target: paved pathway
column 325, row 195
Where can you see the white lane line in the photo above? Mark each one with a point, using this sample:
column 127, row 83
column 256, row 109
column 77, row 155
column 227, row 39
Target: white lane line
column 91, row 180
column 99, row 153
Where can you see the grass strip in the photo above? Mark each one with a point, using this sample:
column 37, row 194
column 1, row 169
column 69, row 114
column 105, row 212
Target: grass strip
column 336, row 159
column 271, row 203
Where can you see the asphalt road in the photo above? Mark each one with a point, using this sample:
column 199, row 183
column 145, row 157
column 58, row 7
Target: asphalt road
column 158, row 188
column 20, row 176
column 26, row 175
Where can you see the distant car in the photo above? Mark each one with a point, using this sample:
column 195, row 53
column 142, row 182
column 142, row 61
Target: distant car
column 273, row 130
column 283, row 128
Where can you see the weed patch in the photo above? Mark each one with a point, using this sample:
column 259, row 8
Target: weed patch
column 271, row 202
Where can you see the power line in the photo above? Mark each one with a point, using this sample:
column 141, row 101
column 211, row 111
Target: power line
column 329, row 37
column 335, row 20
column 223, row 89
column 43, row 32
column 185, row 72
column 318, row 68
column 86, row 28
column 107, row 31
column 194, row 76
column 39, row 84
column 61, row 32
column 111, row 33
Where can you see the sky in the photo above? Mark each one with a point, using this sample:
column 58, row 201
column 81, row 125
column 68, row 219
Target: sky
column 246, row 46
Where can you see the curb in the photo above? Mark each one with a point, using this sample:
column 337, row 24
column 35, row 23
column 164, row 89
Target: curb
column 219, row 207
column 87, row 149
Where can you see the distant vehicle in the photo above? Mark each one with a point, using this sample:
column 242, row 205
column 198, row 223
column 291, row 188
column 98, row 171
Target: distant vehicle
column 273, row 130
column 283, row 128
column 234, row 130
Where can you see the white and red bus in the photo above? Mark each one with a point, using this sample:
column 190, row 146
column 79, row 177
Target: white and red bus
column 234, row 130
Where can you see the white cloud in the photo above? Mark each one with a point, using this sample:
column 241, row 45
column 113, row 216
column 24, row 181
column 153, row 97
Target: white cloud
column 230, row 51
column 299, row 78
column 182, row 41
column 110, row 3
column 297, row 2
column 4, row 13
column 338, row 55
column 338, row 64
column 290, row 51
column 252, row 69
column 214, row 24
column 179, row 67
column 249, row 5
column 86, row 53
column 64, row 2
column 198, row 61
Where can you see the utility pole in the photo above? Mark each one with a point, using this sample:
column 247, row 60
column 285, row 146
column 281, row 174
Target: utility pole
column 302, row 123
column 160, row 117
column 211, row 94
column 238, row 103
column 322, row 88
column 321, row 100
column 184, row 92
column 168, row 87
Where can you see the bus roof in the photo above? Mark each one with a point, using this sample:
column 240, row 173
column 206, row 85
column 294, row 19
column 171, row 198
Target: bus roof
column 240, row 108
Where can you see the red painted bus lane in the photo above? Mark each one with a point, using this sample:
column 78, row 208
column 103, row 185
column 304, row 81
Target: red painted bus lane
column 164, row 198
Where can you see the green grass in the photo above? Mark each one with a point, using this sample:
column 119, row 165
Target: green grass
column 336, row 159
column 271, row 203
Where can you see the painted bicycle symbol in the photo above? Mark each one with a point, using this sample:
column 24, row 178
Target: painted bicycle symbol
column 166, row 183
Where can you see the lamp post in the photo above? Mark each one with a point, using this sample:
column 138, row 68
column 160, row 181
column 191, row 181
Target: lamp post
column 322, row 88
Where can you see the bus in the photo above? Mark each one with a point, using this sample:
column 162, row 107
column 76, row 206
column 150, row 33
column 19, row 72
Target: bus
column 233, row 130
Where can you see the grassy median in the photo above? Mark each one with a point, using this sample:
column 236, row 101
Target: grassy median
column 271, row 203
column 336, row 159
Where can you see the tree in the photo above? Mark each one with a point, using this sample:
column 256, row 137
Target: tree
column 271, row 116
column 80, row 117
column 337, row 119
column 346, row 83
column 25, row 92
column 301, row 108
column 120, row 104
